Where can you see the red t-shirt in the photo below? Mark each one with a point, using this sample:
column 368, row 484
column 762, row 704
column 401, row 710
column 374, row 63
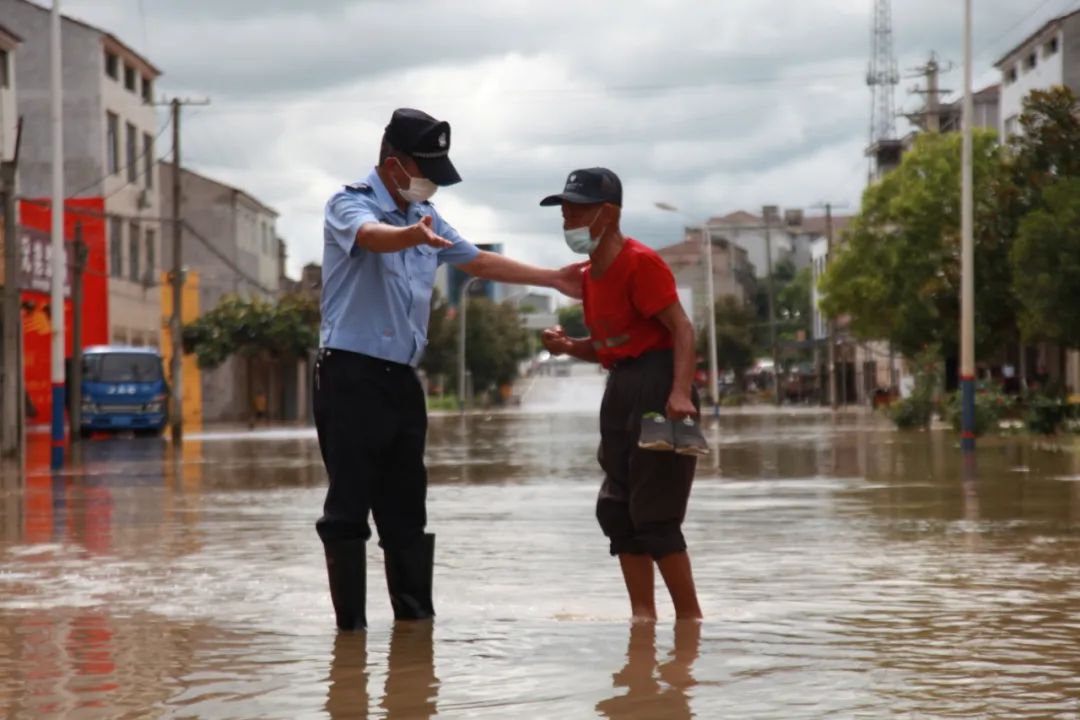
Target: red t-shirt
column 621, row 305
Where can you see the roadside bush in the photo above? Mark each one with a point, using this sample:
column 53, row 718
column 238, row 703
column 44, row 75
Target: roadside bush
column 1046, row 414
column 990, row 407
column 915, row 412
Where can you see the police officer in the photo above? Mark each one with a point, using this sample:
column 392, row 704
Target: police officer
column 383, row 241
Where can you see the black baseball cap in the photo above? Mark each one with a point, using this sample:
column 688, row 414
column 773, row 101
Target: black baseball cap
column 587, row 186
column 426, row 140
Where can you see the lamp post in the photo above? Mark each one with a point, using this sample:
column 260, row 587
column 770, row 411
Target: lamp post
column 710, row 293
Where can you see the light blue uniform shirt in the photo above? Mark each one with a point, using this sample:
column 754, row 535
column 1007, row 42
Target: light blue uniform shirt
column 373, row 303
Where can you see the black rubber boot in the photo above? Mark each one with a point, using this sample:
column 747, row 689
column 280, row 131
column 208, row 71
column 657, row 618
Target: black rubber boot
column 346, row 567
column 409, row 574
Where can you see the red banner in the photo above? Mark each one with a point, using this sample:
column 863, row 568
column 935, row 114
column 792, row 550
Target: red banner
column 36, row 219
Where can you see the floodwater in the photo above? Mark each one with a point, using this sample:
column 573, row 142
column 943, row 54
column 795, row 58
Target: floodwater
column 844, row 570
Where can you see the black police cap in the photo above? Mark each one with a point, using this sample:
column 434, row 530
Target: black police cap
column 588, row 186
column 426, row 140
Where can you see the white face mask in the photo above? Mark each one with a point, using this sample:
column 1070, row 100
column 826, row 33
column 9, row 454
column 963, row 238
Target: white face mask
column 420, row 189
column 580, row 239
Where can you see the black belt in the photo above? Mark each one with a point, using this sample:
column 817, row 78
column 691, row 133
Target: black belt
column 650, row 355
column 363, row 360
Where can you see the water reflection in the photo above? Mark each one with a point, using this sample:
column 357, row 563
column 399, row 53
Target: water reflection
column 411, row 688
column 654, row 689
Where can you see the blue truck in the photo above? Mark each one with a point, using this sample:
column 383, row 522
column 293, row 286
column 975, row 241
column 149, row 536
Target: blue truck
column 123, row 389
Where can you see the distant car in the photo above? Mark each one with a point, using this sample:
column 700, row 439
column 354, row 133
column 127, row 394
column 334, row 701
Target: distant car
column 123, row 389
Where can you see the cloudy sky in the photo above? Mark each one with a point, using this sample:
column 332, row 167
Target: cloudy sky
column 710, row 105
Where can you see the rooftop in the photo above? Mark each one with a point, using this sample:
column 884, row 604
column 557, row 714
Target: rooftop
column 1020, row 47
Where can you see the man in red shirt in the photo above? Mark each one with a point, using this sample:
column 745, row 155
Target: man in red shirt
column 638, row 331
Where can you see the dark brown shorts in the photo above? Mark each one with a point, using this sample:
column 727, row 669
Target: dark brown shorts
column 642, row 502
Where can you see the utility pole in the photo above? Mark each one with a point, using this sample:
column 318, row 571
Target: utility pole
column 463, row 309
column 768, row 213
column 177, row 277
column 59, row 258
column 967, row 255
column 710, row 298
column 12, row 368
column 929, row 119
column 830, row 239
column 76, row 334
column 833, row 399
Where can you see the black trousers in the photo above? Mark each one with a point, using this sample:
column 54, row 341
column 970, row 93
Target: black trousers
column 642, row 502
column 372, row 424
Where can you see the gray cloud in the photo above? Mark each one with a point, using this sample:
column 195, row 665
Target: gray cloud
column 709, row 105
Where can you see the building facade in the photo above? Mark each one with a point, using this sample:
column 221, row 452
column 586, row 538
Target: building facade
column 1050, row 56
column 231, row 241
column 733, row 273
column 110, row 133
column 9, row 115
column 1047, row 58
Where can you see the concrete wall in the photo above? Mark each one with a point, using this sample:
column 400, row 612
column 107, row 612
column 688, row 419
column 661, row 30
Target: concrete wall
column 134, row 305
column 9, row 115
column 1048, row 71
column 242, row 233
column 82, row 57
column 1070, row 53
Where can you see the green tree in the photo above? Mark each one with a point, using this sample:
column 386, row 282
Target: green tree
column 440, row 356
column 572, row 319
column 735, row 322
column 255, row 330
column 495, row 343
column 1046, row 258
column 897, row 276
column 288, row 328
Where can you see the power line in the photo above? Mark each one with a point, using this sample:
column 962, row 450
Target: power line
column 121, row 170
column 226, row 259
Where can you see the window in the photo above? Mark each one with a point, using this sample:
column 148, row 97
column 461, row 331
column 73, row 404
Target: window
column 112, row 142
column 112, row 65
column 5, row 73
column 132, row 166
column 1011, row 125
column 1051, row 47
column 150, row 276
column 147, row 89
column 116, row 247
column 1010, row 75
column 1032, row 61
column 134, row 243
column 129, row 77
column 148, row 159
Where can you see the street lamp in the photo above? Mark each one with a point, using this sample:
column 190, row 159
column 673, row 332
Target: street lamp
column 706, row 245
column 463, row 305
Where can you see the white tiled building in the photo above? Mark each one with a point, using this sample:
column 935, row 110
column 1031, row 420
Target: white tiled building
column 1048, row 57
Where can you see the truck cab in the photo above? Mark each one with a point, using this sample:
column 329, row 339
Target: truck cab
column 123, row 389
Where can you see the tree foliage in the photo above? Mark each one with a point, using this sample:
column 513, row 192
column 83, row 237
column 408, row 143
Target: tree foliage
column 1047, row 258
column 495, row 342
column 897, row 276
column 735, row 321
column 572, row 320
column 254, row 327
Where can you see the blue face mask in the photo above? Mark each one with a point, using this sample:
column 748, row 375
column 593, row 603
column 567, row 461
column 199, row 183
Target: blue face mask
column 581, row 240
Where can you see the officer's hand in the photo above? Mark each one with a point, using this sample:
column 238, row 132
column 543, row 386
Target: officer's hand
column 568, row 280
column 556, row 341
column 426, row 236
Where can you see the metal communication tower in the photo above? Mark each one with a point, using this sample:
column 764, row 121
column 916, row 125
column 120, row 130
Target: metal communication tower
column 883, row 75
